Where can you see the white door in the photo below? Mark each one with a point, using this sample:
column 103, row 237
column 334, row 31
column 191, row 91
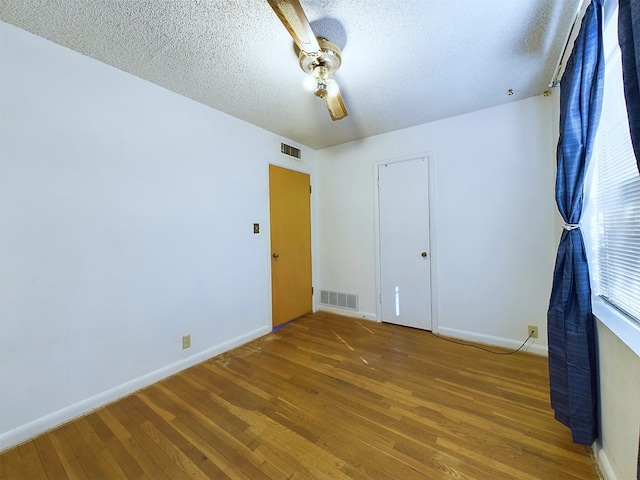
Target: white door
column 405, row 259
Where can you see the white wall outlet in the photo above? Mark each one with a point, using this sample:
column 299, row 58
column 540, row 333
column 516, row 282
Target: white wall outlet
column 532, row 331
column 186, row 341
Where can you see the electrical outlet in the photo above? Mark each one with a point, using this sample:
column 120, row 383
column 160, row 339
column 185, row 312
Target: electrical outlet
column 186, row 341
column 532, row 331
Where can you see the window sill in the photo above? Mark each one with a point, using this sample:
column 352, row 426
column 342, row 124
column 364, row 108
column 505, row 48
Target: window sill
column 625, row 329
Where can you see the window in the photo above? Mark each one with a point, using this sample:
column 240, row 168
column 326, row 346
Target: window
column 613, row 196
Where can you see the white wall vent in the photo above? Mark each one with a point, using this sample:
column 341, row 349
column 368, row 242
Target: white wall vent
column 290, row 151
column 347, row 301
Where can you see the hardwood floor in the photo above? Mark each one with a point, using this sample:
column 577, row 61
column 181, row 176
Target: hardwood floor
column 324, row 397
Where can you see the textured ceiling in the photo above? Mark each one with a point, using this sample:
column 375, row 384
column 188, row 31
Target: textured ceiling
column 404, row 63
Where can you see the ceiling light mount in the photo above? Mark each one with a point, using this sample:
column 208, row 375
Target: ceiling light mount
column 329, row 58
column 321, row 64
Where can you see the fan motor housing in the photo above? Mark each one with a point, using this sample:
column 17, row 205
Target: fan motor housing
column 330, row 57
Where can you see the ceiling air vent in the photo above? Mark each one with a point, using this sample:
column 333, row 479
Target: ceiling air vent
column 290, row 151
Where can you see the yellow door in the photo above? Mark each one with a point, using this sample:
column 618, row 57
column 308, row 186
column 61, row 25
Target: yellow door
column 290, row 205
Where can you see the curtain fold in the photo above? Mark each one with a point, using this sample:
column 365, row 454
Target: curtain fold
column 571, row 330
column 629, row 40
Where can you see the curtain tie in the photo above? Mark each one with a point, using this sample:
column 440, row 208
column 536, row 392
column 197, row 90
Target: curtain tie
column 571, row 226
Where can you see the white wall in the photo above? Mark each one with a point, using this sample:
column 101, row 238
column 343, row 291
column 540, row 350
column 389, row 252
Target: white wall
column 126, row 216
column 493, row 218
column 619, row 368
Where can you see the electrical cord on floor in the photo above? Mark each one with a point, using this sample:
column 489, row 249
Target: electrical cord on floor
column 483, row 348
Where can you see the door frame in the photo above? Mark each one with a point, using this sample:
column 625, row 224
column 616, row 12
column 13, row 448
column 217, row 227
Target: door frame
column 428, row 157
column 300, row 168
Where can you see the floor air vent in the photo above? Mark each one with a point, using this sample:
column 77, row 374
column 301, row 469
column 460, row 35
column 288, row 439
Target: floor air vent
column 290, row 151
column 348, row 301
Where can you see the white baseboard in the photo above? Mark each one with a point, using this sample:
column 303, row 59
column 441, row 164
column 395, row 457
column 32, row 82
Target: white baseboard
column 43, row 424
column 603, row 462
column 531, row 346
column 348, row 313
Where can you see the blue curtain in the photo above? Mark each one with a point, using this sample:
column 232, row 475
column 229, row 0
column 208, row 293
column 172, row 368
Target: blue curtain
column 571, row 330
column 629, row 40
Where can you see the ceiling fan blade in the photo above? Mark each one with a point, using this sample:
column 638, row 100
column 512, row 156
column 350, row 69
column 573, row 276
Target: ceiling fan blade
column 295, row 21
column 334, row 103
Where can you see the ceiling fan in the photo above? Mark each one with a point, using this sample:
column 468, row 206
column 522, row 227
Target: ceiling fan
column 318, row 56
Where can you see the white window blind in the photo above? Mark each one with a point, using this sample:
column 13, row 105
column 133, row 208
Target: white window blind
column 617, row 201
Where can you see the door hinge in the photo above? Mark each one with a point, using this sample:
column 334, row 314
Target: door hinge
column 311, row 291
column 310, row 188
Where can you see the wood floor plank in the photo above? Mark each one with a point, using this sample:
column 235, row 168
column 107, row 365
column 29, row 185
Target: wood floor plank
column 50, row 460
column 31, row 461
column 68, row 458
column 185, row 455
column 144, row 435
column 3, row 468
column 113, row 444
column 83, row 452
column 226, row 467
column 140, row 446
column 210, row 408
column 102, row 454
column 324, row 397
column 13, row 466
column 223, row 440
column 115, row 427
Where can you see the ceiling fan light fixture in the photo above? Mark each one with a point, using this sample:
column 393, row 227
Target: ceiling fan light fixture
column 320, row 73
column 295, row 21
column 289, row 12
column 329, row 57
column 335, row 104
column 332, row 87
column 309, row 82
column 326, row 86
column 321, row 89
column 317, row 56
